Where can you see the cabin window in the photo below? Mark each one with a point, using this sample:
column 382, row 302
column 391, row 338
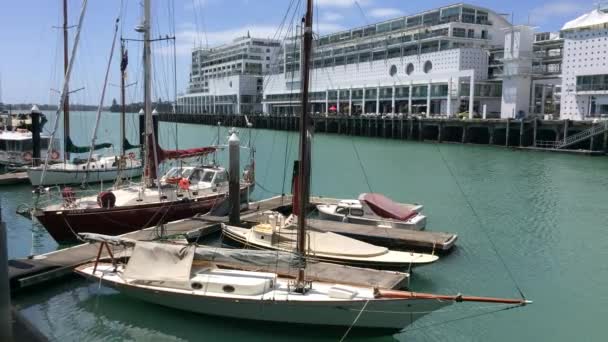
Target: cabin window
column 208, row 176
column 195, row 177
column 356, row 212
column 44, row 144
column 342, row 211
column 2, row 145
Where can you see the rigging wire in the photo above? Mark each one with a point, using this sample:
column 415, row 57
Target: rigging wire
column 480, row 223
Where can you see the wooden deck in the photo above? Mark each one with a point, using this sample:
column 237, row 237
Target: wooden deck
column 12, row 178
column 24, row 273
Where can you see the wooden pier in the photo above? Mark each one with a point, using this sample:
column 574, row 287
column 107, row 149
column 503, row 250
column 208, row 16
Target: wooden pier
column 25, row 273
column 531, row 133
column 13, row 178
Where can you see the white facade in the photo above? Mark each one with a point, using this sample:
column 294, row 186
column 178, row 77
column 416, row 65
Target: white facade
column 420, row 64
column 228, row 79
column 517, row 75
column 585, row 67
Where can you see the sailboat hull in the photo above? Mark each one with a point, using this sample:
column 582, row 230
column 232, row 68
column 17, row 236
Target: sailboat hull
column 386, row 314
column 64, row 177
column 63, row 225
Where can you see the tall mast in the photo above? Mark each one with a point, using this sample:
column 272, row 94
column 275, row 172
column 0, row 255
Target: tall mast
column 66, row 103
column 150, row 151
column 122, row 98
column 304, row 171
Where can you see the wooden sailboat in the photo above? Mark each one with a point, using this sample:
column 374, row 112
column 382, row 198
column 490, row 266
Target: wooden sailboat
column 95, row 168
column 166, row 275
column 134, row 206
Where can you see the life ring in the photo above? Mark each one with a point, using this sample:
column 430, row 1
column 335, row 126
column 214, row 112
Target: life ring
column 131, row 155
column 184, row 184
column 54, row 155
column 106, row 199
column 27, row 156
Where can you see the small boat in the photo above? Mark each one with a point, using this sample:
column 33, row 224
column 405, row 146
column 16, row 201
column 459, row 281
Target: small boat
column 375, row 210
column 278, row 233
column 188, row 278
column 16, row 147
column 97, row 169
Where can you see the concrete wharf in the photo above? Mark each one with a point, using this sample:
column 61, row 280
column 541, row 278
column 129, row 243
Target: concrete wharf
column 531, row 134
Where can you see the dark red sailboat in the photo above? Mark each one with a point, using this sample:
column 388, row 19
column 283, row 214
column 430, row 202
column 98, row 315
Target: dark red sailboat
column 181, row 193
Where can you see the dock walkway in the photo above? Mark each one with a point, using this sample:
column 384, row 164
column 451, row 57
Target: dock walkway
column 12, row 178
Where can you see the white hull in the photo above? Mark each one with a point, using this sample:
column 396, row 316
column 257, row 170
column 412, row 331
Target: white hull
column 328, row 212
column 61, row 177
column 280, row 305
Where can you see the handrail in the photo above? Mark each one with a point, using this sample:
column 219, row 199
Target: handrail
column 580, row 136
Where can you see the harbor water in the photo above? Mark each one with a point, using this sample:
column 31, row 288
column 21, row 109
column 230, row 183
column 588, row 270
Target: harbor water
column 527, row 221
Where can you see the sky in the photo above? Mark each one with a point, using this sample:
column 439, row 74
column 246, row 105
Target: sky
column 31, row 55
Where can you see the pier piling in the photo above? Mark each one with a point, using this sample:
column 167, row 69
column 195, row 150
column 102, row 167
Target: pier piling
column 6, row 318
column 233, row 181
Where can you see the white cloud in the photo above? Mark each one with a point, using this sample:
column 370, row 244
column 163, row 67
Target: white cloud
column 341, row 3
column 550, row 10
column 385, row 12
column 331, row 16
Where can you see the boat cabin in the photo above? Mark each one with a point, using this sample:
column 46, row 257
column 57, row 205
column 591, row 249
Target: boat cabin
column 199, row 178
column 16, row 147
column 350, row 208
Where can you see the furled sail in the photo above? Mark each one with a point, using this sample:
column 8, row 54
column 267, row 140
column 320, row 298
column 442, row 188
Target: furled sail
column 180, row 154
column 70, row 147
column 128, row 145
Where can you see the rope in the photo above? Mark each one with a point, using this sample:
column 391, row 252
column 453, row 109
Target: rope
column 461, row 318
column 355, row 321
column 361, row 165
column 481, row 225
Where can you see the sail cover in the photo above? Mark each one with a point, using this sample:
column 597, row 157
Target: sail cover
column 152, row 261
column 180, row 154
column 385, row 207
column 128, row 145
column 70, row 147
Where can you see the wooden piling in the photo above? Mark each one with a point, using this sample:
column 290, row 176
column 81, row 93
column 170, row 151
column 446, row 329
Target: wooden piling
column 507, row 133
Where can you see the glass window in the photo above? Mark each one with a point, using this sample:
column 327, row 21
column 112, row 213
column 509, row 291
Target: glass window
column 468, row 15
column 221, row 177
column 342, row 211
column 356, row 212
column 2, row 145
column 414, row 21
column 208, row 176
column 458, row 32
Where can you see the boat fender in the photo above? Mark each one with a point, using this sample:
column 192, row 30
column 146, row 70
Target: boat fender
column 68, row 195
column 54, row 155
column 27, row 156
column 184, row 184
column 106, row 199
column 131, row 155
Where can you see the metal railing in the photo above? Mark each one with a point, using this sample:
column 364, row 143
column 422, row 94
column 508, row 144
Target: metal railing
column 596, row 129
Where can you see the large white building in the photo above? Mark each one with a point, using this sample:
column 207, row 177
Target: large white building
column 585, row 66
column 423, row 63
column 228, row 79
column 454, row 60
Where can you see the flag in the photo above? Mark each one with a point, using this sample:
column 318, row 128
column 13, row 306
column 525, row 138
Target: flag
column 124, row 61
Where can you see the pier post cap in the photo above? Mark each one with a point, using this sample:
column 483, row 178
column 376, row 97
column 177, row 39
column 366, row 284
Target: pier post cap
column 141, row 112
column 154, row 112
column 35, row 110
column 234, row 138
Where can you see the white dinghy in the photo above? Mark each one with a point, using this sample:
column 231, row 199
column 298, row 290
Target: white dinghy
column 375, row 210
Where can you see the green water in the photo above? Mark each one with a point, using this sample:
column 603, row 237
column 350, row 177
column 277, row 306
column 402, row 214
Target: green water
column 545, row 213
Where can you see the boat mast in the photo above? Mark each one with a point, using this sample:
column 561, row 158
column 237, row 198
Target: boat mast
column 150, row 152
column 122, row 98
column 66, row 103
column 304, row 171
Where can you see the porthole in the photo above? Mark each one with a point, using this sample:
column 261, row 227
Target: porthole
column 228, row 288
column 393, row 70
column 196, row 286
column 428, row 66
column 409, row 69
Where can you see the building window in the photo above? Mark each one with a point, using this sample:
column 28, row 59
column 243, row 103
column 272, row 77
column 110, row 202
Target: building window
column 458, row 32
column 393, row 70
column 409, row 69
column 428, row 66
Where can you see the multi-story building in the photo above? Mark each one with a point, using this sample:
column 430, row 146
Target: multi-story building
column 228, row 79
column 584, row 90
column 431, row 62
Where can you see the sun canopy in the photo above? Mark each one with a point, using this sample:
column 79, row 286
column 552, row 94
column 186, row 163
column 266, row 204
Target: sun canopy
column 385, row 207
column 180, row 154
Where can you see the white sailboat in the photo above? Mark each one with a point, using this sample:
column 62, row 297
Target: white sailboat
column 95, row 168
column 167, row 275
column 278, row 233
